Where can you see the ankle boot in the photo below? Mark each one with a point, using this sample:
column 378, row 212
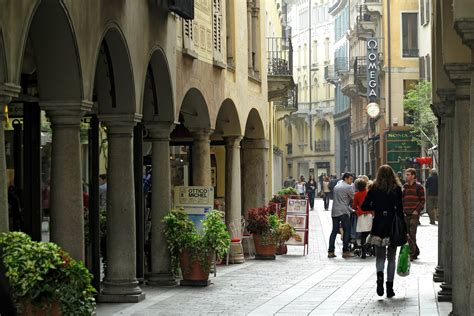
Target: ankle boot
column 380, row 283
column 390, row 292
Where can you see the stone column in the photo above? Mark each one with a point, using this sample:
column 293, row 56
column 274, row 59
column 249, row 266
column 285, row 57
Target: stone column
column 445, row 112
column 7, row 91
column 120, row 283
column 67, row 210
column 255, row 173
column 161, row 273
column 460, row 75
column 233, row 203
column 201, row 157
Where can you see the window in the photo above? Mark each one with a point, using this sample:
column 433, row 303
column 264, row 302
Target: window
column 229, row 32
column 422, row 12
column 428, row 67
column 410, row 34
column 217, row 30
column 253, row 38
column 427, row 11
column 304, row 19
column 314, row 58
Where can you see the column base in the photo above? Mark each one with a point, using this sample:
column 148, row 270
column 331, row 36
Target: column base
column 121, row 288
column 118, row 298
column 194, row 283
column 161, row 279
column 438, row 275
column 265, row 257
column 445, row 295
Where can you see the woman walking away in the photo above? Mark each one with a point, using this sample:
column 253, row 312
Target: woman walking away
column 311, row 187
column 385, row 199
column 326, row 193
column 364, row 222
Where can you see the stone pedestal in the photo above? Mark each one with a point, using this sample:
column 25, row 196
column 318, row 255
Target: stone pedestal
column 255, row 173
column 201, row 157
column 120, row 283
column 66, row 201
column 161, row 273
column 233, row 202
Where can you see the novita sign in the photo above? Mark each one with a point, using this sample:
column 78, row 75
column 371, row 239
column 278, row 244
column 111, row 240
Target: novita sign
column 372, row 70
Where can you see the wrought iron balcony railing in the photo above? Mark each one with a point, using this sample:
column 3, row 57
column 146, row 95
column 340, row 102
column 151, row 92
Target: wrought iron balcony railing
column 341, row 64
column 291, row 101
column 329, row 74
column 279, row 56
column 360, row 67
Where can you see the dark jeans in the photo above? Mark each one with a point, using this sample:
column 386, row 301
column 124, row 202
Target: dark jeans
column 327, row 198
column 344, row 222
column 412, row 226
column 311, row 196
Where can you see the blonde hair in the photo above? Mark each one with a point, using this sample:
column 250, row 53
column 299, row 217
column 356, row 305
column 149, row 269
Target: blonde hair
column 386, row 179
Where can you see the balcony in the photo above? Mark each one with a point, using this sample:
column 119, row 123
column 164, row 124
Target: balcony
column 360, row 74
column 290, row 103
column 346, row 76
column 329, row 74
column 279, row 67
column 341, row 65
column 374, row 6
column 366, row 23
column 322, row 145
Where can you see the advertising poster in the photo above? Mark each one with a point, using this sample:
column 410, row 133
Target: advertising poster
column 297, row 206
column 298, row 221
column 298, row 239
column 195, row 200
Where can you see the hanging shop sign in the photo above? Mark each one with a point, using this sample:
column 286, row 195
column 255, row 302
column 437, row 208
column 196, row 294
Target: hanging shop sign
column 372, row 70
column 195, row 200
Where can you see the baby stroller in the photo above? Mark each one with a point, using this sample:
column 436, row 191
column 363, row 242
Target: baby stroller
column 357, row 244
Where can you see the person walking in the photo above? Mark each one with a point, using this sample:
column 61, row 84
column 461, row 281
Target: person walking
column 311, row 187
column 364, row 222
column 385, row 199
column 326, row 193
column 432, row 196
column 413, row 204
column 341, row 211
column 301, row 186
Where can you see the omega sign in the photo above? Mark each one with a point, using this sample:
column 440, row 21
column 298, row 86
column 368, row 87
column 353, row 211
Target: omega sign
column 372, row 70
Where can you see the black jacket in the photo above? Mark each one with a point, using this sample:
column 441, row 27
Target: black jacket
column 311, row 186
column 432, row 185
column 385, row 205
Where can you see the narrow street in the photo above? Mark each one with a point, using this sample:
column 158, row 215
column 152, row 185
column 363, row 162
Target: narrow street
column 302, row 285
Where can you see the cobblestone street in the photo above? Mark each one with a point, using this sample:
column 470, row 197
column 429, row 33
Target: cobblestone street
column 302, row 285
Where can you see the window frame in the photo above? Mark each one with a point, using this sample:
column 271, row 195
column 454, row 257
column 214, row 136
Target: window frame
column 401, row 34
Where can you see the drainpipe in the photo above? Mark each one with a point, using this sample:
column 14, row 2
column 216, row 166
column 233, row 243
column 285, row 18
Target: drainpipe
column 310, row 83
column 389, row 55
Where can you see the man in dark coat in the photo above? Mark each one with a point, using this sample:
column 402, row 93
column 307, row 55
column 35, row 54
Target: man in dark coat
column 432, row 196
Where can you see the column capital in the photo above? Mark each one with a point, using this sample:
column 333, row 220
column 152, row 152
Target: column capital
column 201, row 133
column 248, row 143
column 465, row 28
column 65, row 112
column 120, row 124
column 8, row 91
column 442, row 109
column 232, row 141
column 159, row 131
column 460, row 75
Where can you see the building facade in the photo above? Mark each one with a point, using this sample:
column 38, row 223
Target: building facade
column 179, row 87
column 308, row 126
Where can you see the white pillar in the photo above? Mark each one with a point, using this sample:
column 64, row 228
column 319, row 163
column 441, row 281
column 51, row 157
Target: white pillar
column 161, row 273
column 66, row 202
column 233, row 197
column 120, row 283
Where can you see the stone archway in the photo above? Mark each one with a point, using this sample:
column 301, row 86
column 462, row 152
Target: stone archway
column 51, row 75
column 159, row 117
column 254, row 163
column 228, row 128
column 116, row 106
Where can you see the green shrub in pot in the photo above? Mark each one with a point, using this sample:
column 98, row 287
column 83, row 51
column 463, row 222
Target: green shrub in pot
column 41, row 273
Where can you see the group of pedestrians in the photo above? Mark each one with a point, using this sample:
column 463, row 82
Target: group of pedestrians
column 304, row 188
column 376, row 204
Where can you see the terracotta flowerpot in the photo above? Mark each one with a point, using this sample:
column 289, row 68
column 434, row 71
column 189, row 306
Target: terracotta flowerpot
column 282, row 249
column 51, row 309
column 263, row 250
column 192, row 271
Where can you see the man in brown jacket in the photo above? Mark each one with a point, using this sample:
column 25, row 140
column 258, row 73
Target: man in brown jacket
column 413, row 204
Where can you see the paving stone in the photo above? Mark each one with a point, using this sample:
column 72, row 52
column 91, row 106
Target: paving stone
column 302, row 285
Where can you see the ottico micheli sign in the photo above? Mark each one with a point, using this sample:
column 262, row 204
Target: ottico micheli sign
column 372, row 70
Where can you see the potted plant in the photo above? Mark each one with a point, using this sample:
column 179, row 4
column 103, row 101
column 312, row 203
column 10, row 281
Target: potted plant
column 44, row 279
column 263, row 224
column 192, row 250
column 280, row 199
